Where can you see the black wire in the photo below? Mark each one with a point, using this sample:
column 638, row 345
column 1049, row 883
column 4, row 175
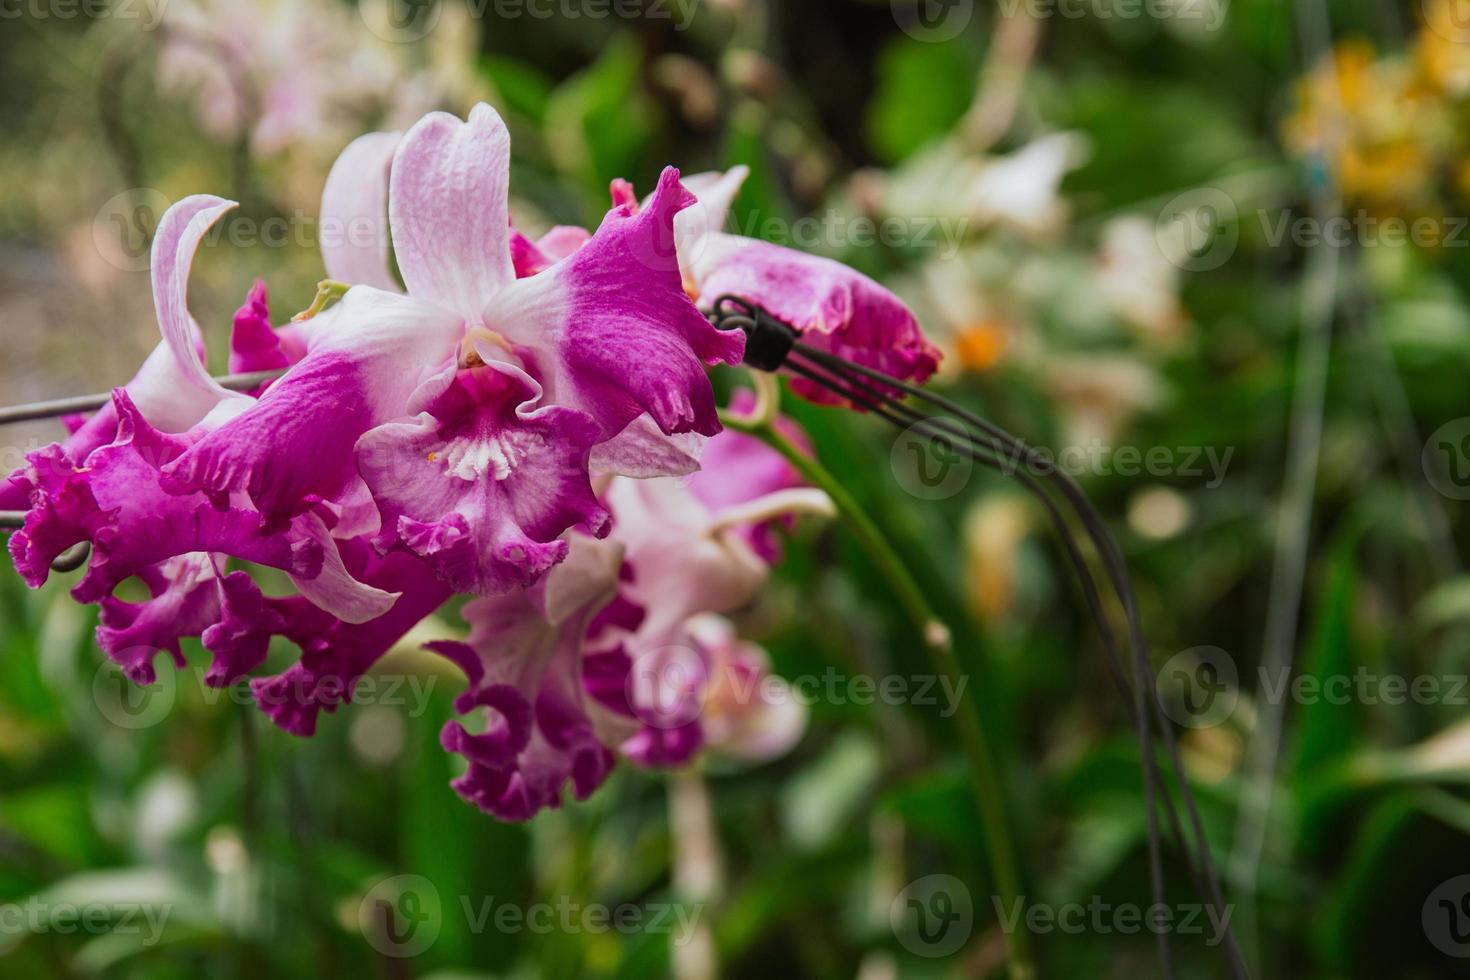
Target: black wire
column 885, row 409
column 1117, row 571
column 884, row 406
column 760, row 325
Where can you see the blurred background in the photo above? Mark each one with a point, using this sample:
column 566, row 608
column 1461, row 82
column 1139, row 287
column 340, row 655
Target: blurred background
column 1212, row 255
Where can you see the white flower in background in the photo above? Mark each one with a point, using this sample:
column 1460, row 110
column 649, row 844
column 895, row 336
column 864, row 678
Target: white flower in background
column 1137, row 281
column 1098, row 395
column 1020, row 191
column 995, row 529
column 309, row 71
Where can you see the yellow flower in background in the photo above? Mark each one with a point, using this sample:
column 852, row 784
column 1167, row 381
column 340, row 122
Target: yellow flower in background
column 1370, row 120
column 1138, row 283
column 995, row 529
column 1387, row 123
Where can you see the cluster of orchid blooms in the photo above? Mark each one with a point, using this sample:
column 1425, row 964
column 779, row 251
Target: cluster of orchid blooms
column 530, row 423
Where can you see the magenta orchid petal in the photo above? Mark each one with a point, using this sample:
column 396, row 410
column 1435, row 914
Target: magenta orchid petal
column 479, row 491
column 523, row 662
column 660, row 747
column 562, row 241
column 190, row 597
column 295, row 445
column 240, row 635
column 15, row 492
column 623, row 195
column 642, row 451
column 526, row 256
column 531, row 257
column 739, row 468
column 336, row 654
column 835, row 308
column 333, row 587
column 610, row 331
column 184, row 602
column 354, row 214
column 692, row 548
column 679, row 567
column 715, row 194
column 116, row 502
column 254, row 344
column 449, row 202
column 748, row 714
column 155, row 390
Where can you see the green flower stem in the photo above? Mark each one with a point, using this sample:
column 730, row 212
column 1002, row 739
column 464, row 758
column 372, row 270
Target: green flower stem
column 938, row 643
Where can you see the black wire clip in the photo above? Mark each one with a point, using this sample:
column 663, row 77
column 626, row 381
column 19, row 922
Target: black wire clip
column 768, row 340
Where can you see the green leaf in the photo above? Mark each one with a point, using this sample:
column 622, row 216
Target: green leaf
column 599, row 123
column 1326, row 729
column 923, row 90
column 524, row 90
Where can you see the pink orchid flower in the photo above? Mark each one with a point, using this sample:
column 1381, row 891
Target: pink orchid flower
column 105, row 486
column 693, row 549
column 470, row 407
column 555, row 668
column 523, row 661
column 749, row 715
column 835, row 308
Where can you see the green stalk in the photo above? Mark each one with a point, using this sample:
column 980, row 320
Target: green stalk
column 937, row 642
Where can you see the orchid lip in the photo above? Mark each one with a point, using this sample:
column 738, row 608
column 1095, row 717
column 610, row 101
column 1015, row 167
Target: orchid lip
column 469, row 352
